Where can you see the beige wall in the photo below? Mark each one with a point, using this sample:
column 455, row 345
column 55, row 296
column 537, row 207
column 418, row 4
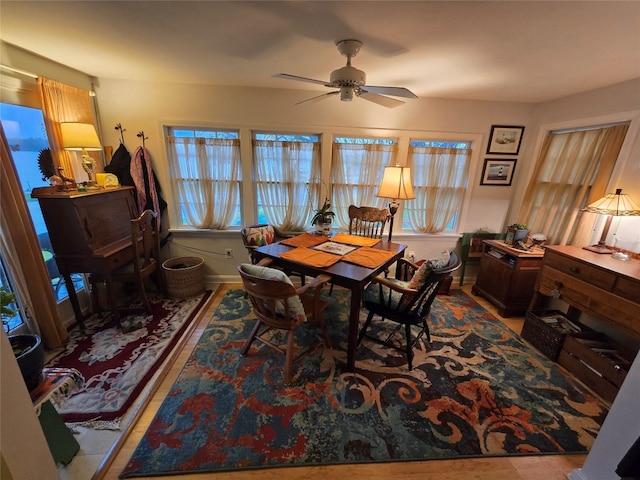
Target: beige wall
column 147, row 107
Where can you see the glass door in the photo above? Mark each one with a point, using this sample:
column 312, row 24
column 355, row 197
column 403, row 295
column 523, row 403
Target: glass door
column 27, row 138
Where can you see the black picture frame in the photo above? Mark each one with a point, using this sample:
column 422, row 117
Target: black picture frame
column 505, row 140
column 498, row 171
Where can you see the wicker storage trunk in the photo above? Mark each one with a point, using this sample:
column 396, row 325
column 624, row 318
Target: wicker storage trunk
column 184, row 276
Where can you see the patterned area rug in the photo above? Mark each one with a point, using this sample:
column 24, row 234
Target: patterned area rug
column 477, row 389
column 117, row 365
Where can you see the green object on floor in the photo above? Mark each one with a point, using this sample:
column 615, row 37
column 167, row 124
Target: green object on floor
column 61, row 441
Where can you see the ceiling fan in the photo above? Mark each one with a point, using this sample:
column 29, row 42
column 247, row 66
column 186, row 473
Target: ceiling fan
column 351, row 82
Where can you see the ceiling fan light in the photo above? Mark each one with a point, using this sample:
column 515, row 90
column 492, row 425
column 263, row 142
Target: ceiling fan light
column 346, row 94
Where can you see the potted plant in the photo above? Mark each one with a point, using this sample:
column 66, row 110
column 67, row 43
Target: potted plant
column 27, row 348
column 323, row 218
column 516, row 232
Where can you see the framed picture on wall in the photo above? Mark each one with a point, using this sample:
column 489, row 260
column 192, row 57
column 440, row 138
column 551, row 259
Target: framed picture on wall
column 498, row 171
column 504, row 140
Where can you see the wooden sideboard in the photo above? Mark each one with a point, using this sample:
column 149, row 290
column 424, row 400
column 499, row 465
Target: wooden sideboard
column 593, row 283
column 507, row 277
column 90, row 232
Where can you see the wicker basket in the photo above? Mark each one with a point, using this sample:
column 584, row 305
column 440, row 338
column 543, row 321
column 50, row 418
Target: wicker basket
column 184, row 276
column 545, row 338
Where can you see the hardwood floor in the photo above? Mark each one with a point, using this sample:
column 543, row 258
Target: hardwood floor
column 549, row 467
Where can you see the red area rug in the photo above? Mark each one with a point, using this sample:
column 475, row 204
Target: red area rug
column 117, row 365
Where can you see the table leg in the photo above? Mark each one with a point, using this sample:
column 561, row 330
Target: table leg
column 73, row 298
column 354, row 321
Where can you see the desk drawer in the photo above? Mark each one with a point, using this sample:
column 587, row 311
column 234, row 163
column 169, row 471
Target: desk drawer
column 628, row 288
column 618, row 310
column 582, row 271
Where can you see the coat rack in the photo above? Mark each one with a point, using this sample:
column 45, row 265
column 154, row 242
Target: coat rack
column 141, row 135
column 122, row 130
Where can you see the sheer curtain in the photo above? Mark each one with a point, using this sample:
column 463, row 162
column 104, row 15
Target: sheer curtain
column 573, row 171
column 283, row 173
column 356, row 173
column 440, row 179
column 63, row 103
column 21, row 250
column 205, row 173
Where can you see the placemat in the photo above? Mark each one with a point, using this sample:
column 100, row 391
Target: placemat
column 304, row 240
column 310, row 257
column 354, row 240
column 368, row 257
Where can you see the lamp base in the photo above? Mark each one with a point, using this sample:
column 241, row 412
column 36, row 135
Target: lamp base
column 598, row 249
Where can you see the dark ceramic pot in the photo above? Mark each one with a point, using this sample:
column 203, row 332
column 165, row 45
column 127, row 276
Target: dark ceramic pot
column 29, row 353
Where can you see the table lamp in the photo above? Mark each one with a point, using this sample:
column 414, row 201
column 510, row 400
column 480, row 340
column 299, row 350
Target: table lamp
column 82, row 137
column 612, row 204
column 396, row 185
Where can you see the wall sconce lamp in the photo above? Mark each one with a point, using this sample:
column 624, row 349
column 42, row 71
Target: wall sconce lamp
column 396, row 185
column 612, row 204
column 82, row 137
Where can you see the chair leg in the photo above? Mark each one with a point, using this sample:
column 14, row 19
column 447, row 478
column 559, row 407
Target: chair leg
column 363, row 330
column 288, row 364
column 325, row 332
column 407, row 330
column 143, row 295
column 252, row 337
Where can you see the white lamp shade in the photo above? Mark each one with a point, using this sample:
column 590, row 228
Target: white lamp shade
column 617, row 204
column 396, row 184
column 79, row 136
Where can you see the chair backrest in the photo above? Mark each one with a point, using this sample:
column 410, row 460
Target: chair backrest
column 367, row 221
column 420, row 304
column 254, row 236
column 145, row 231
column 272, row 295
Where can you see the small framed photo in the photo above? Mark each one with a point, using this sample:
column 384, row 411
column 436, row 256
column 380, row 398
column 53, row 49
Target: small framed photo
column 498, row 171
column 504, row 140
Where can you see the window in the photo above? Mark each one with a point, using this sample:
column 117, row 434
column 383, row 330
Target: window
column 440, row 171
column 357, row 168
column 284, row 169
column 573, row 170
column 204, row 166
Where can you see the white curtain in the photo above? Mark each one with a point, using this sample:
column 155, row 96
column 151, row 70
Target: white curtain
column 440, row 179
column 283, row 173
column 206, row 174
column 573, row 170
column 356, row 173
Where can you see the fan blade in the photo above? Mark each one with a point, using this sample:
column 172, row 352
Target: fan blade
column 395, row 91
column 286, row 76
column 380, row 99
column 319, row 97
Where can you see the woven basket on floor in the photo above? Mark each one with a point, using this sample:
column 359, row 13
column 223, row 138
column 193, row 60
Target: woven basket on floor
column 184, row 276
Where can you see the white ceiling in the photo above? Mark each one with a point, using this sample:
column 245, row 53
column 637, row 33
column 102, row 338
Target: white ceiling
column 523, row 51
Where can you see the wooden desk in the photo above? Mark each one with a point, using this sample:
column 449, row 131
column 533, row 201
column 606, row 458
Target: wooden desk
column 348, row 275
column 90, row 232
column 507, row 277
column 594, row 283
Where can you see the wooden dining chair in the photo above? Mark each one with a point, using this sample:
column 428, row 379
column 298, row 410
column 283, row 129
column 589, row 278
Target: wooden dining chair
column 256, row 236
column 406, row 303
column 145, row 241
column 279, row 305
column 367, row 221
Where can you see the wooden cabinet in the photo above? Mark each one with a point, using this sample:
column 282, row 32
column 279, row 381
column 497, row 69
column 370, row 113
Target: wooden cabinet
column 597, row 284
column 90, row 231
column 507, row 277
column 602, row 287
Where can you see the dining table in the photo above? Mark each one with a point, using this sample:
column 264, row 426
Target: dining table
column 351, row 262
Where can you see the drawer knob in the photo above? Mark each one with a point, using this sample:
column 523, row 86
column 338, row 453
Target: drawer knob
column 574, row 269
column 555, row 293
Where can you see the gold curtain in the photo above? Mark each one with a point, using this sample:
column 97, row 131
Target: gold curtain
column 573, row 170
column 21, row 250
column 63, row 103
